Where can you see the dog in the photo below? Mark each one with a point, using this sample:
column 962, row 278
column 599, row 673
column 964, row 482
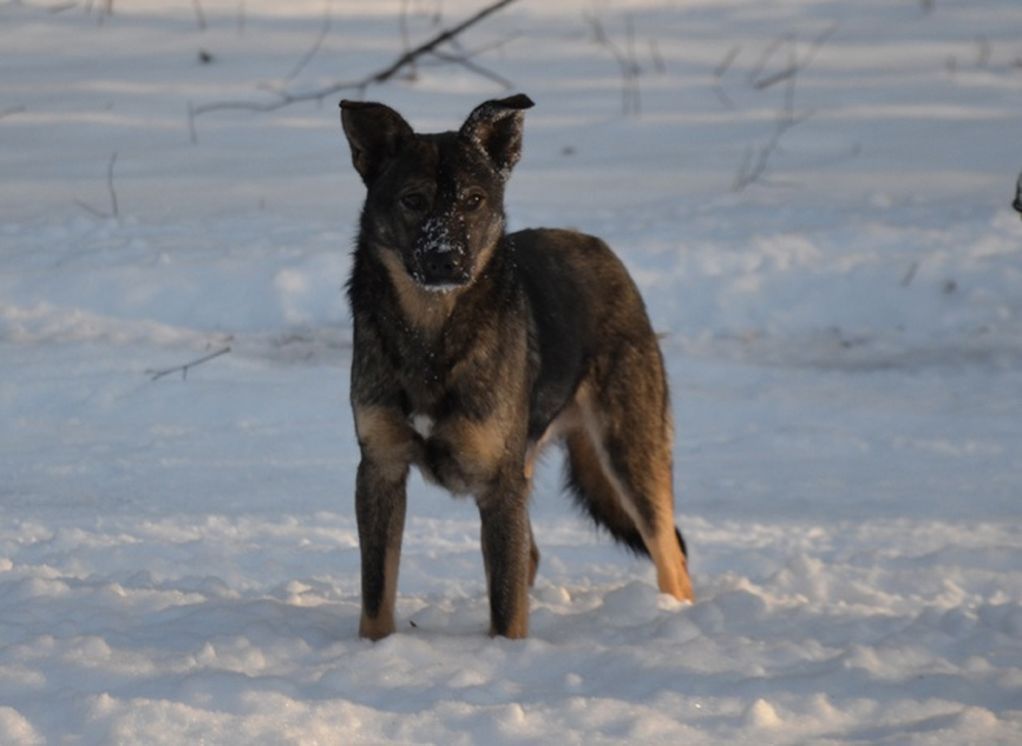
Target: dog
column 473, row 348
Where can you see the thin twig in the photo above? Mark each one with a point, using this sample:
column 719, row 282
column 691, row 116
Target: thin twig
column 286, row 98
column 765, row 56
column 307, row 57
column 93, row 210
column 718, row 74
column 475, row 67
column 12, row 110
column 795, row 64
column 406, row 42
column 755, row 162
column 658, row 59
column 200, row 14
column 631, row 101
column 110, row 185
column 984, row 50
column 192, row 134
column 725, row 64
column 114, row 210
column 156, row 375
column 910, row 273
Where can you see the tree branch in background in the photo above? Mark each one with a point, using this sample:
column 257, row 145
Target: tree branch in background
column 286, row 98
column 658, row 59
column 756, row 161
column 466, row 58
column 718, row 75
column 307, row 57
column 12, row 110
column 406, row 40
column 156, row 375
column 794, row 64
column 114, row 210
column 631, row 99
column 200, row 14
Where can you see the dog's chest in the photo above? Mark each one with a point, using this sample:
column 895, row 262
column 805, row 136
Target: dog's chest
column 422, row 424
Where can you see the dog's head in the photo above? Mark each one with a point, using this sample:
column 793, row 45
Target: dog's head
column 434, row 206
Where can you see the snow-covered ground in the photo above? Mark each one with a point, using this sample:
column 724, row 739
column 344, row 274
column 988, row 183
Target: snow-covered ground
column 178, row 557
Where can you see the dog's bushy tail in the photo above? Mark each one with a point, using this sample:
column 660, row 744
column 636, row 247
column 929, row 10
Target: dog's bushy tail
column 596, row 496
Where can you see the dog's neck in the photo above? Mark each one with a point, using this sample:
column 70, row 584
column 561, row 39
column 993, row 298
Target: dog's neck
column 425, row 311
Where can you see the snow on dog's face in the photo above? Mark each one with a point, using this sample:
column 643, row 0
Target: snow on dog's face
column 435, row 202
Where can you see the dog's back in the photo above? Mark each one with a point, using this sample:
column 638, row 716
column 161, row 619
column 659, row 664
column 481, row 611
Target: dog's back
column 582, row 303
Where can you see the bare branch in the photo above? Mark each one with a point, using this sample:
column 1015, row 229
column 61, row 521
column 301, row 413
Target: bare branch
column 718, row 73
column 984, row 50
column 475, row 67
column 910, row 273
column 444, row 36
column 286, row 98
column 631, row 102
column 156, row 375
column 192, row 134
column 794, row 64
column 200, row 14
column 93, row 210
column 307, row 57
column 406, row 41
column 755, row 162
column 725, row 64
column 766, row 55
column 114, row 210
column 658, row 59
column 110, row 185
column 12, row 110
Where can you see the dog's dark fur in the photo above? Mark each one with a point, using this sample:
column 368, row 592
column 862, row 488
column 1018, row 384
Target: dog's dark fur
column 472, row 348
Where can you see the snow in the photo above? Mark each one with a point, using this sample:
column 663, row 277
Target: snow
column 179, row 557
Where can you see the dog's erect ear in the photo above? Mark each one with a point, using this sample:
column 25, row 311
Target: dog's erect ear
column 375, row 133
column 496, row 126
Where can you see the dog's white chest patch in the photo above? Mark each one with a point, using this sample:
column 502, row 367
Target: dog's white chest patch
column 422, row 424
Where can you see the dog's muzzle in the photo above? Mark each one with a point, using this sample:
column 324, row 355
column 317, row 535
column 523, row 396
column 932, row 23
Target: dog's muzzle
column 443, row 261
column 442, row 270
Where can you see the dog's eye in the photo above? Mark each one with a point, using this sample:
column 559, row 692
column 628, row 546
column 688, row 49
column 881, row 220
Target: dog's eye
column 414, row 202
column 473, row 202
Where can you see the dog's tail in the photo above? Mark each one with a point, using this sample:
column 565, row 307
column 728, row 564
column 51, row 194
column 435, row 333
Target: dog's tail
column 597, row 497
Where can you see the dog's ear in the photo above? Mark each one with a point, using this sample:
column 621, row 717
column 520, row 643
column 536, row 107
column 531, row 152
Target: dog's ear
column 375, row 133
column 496, row 126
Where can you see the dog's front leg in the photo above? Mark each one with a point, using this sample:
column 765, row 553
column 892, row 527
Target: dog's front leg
column 380, row 510
column 506, row 546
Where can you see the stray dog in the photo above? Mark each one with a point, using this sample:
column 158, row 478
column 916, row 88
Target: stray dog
column 473, row 348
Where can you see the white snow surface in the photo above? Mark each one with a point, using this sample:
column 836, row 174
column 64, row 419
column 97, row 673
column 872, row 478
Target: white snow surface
column 179, row 557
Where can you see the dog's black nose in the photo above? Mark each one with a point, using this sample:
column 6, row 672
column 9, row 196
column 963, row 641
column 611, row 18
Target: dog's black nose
column 442, row 268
